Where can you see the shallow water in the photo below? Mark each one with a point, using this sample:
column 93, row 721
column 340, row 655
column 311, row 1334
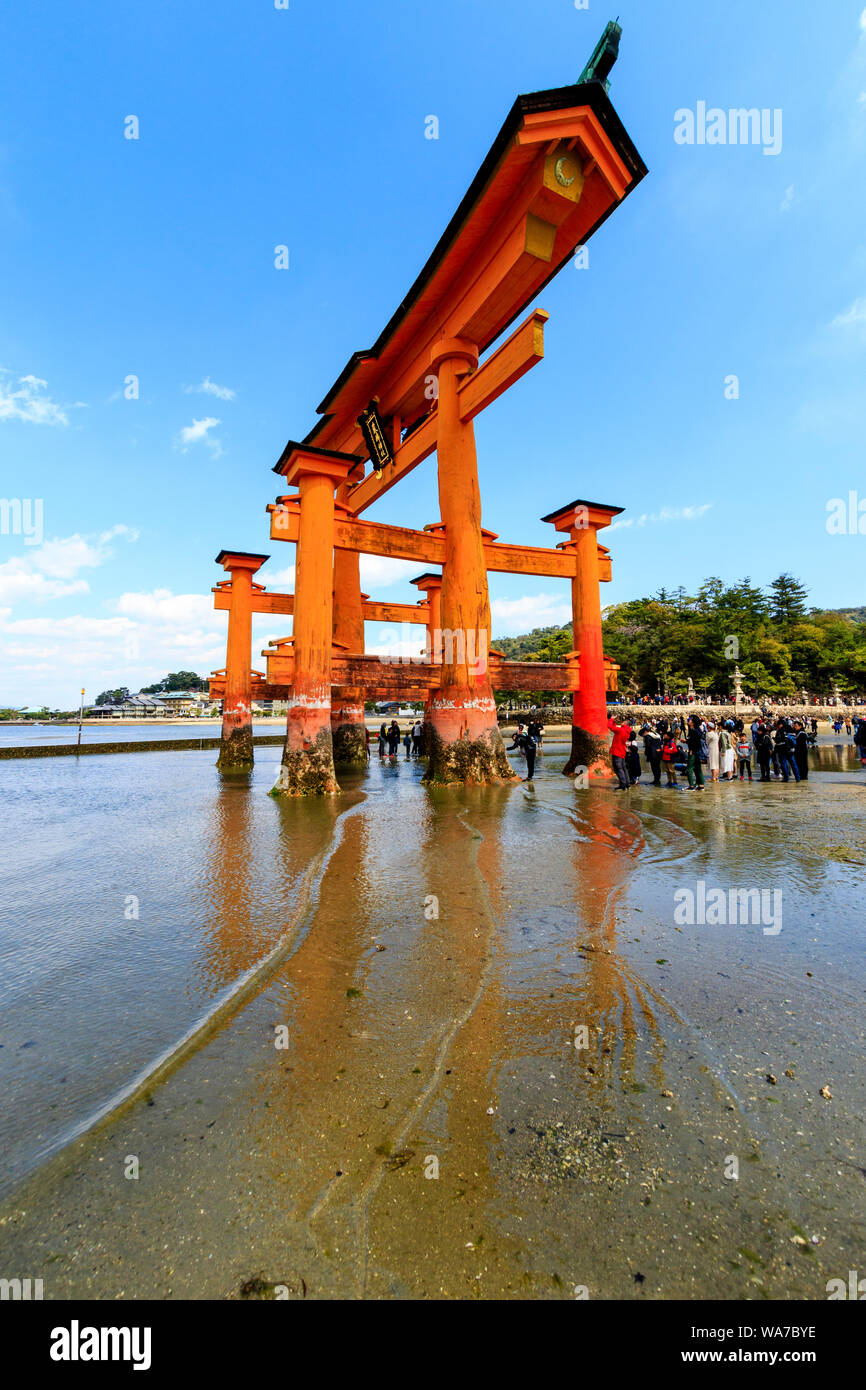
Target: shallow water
column 133, row 896
column 109, row 732
column 440, row 950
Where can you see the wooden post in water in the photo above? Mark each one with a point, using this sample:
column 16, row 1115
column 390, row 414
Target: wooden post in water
column 236, row 742
column 583, row 521
column 308, row 757
column 347, row 708
column 465, row 742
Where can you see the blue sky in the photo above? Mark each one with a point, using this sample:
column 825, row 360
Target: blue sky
column 305, row 127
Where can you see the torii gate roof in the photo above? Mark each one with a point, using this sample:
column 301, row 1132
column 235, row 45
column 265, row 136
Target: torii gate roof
column 557, row 169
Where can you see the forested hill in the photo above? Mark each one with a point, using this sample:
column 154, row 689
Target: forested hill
column 780, row 644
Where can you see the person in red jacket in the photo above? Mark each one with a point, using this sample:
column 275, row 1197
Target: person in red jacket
column 621, row 736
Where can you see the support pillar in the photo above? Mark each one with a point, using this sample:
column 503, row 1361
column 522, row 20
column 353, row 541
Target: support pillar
column 308, row 760
column 347, row 711
column 236, row 740
column 431, row 586
column 465, row 744
column 589, row 732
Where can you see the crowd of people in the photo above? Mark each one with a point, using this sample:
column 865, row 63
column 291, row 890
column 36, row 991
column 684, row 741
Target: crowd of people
column 778, row 747
column 726, row 750
column 391, row 736
column 693, row 698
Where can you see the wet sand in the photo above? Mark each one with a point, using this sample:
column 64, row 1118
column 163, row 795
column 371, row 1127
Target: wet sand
column 443, row 948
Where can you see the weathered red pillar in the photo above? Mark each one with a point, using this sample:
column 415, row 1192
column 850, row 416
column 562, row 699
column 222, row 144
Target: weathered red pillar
column 236, row 740
column 431, row 586
column 465, row 743
column 589, row 734
column 347, row 706
column 308, row 760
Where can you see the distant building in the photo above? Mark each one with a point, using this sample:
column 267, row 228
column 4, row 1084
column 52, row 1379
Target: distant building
column 134, row 707
column 186, row 701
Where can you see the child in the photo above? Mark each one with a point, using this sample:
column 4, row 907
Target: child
column 632, row 759
column 670, row 752
column 744, row 754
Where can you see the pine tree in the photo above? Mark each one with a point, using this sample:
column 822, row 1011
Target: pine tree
column 787, row 600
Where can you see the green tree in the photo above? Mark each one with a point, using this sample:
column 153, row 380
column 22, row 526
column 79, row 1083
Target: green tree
column 787, row 600
column 113, row 697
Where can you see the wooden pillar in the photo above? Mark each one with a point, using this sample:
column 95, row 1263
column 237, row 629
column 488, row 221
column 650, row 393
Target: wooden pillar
column 308, row 760
column 431, row 586
column 589, row 733
column 236, row 741
column 465, row 744
column 347, row 710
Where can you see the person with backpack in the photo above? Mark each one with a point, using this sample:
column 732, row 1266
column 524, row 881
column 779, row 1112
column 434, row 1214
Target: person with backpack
column 696, row 744
column 784, row 752
column 525, row 741
column 764, row 751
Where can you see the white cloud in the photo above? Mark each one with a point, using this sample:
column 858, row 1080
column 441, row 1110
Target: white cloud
column 863, row 22
column 23, row 578
column 379, row 571
column 663, row 515
column 164, row 607
column 283, row 579
column 393, row 642
column 788, row 201
column 511, row 616
column 210, row 388
column 856, row 314
column 145, row 636
column 19, row 584
column 29, row 402
column 198, row 431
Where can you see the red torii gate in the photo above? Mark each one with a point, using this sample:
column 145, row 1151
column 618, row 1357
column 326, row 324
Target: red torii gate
column 560, row 165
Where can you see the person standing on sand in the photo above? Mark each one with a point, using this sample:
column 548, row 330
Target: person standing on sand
column 713, row 752
column 652, row 747
column 784, row 752
column 669, row 757
column 695, row 742
column 726, row 750
column 621, row 736
column 764, row 751
column 744, row 756
column 525, row 741
column 801, row 750
column 632, row 759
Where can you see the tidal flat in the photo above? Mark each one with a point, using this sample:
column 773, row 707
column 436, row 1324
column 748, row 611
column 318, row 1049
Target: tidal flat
column 428, row 1044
